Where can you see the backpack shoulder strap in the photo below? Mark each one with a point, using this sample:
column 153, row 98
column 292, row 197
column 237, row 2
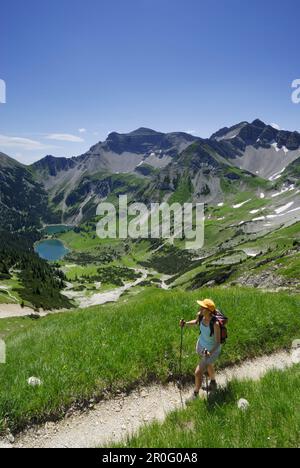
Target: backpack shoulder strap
column 212, row 325
column 221, row 318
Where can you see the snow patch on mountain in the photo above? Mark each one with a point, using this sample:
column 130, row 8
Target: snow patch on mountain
column 239, row 205
column 284, row 208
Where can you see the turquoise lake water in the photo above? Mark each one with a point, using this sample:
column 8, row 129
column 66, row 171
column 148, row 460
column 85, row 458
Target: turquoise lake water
column 51, row 250
column 57, row 229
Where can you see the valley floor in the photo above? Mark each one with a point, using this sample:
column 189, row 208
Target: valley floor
column 15, row 310
column 83, row 299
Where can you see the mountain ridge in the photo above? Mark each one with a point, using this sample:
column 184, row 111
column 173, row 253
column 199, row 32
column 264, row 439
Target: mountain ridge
column 160, row 162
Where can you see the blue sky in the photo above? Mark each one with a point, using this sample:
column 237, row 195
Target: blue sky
column 114, row 65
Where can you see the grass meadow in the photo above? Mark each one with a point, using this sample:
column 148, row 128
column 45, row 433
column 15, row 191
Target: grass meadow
column 101, row 350
column 271, row 421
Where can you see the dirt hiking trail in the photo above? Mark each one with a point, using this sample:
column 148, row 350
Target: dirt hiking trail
column 112, row 420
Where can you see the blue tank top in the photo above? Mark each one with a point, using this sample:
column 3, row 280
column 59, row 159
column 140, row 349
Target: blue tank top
column 206, row 341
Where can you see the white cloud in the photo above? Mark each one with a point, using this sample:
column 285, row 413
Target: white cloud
column 276, row 126
column 22, row 143
column 82, row 130
column 64, row 137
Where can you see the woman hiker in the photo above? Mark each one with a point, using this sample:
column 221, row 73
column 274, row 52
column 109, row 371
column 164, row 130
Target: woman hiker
column 208, row 346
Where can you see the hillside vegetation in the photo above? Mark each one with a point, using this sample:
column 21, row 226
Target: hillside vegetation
column 105, row 349
column 39, row 284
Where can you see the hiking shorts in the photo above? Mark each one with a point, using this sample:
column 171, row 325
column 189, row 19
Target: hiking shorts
column 207, row 360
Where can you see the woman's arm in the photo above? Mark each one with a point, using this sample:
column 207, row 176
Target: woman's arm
column 191, row 323
column 183, row 323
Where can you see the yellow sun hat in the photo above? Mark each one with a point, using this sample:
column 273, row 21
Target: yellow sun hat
column 207, row 304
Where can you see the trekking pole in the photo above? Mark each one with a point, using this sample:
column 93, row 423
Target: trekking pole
column 180, row 364
column 181, row 348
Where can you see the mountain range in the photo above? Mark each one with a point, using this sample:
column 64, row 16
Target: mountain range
column 148, row 165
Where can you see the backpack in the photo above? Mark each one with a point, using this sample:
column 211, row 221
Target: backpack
column 222, row 320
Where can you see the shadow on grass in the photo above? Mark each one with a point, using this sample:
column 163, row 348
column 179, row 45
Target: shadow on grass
column 221, row 397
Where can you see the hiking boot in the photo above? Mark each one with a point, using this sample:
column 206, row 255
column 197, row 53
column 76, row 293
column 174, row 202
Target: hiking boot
column 212, row 386
column 193, row 397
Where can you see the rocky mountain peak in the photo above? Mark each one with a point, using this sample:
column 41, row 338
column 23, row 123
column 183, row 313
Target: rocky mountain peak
column 258, row 123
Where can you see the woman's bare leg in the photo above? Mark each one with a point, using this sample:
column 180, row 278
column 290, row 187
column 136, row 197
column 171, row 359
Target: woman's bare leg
column 211, row 372
column 198, row 378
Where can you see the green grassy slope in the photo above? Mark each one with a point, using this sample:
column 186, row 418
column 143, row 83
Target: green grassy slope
column 104, row 349
column 272, row 420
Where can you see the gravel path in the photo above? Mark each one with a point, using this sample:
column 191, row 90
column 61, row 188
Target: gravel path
column 15, row 310
column 111, row 420
column 114, row 295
